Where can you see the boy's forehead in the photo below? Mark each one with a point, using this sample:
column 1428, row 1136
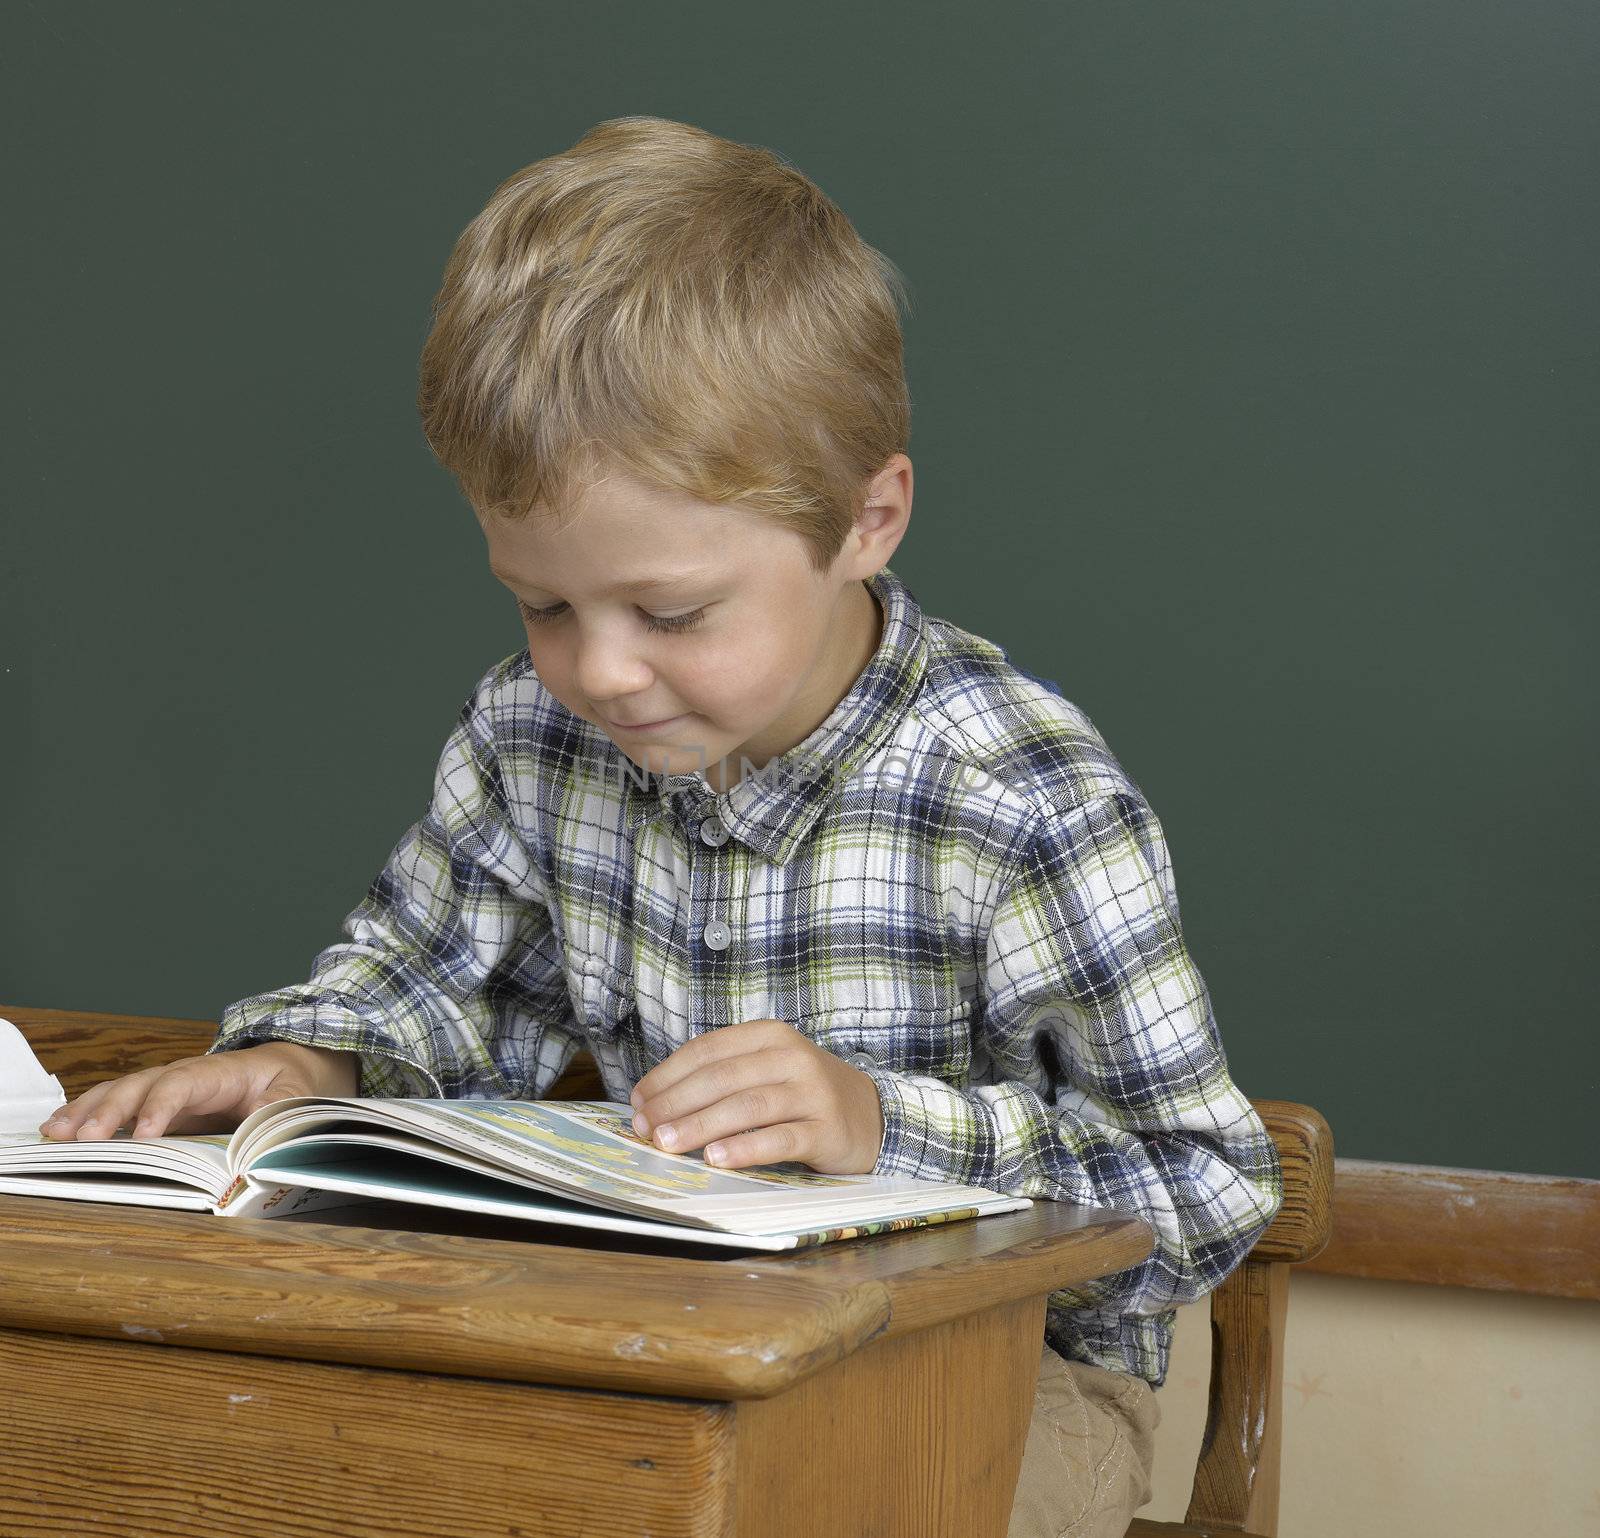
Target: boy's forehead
column 630, row 549
column 605, row 572
column 613, row 584
column 619, row 537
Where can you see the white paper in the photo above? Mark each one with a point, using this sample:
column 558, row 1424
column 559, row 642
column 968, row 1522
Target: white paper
column 27, row 1093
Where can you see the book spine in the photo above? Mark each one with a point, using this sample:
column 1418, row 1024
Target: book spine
column 249, row 1197
column 886, row 1226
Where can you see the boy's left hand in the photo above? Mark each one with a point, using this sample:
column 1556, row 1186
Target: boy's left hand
column 760, row 1092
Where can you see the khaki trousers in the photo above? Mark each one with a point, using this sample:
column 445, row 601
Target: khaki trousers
column 1087, row 1463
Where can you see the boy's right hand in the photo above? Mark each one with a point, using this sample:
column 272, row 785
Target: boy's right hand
column 210, row 1093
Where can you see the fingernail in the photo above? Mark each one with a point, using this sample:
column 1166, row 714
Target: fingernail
column 714, row 1153
column 668, row 1136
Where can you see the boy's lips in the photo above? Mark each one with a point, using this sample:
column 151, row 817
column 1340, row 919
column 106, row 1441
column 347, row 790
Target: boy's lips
column 643, row 726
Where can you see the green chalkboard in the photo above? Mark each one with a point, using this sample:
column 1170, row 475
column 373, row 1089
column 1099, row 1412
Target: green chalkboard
column 1253, row 360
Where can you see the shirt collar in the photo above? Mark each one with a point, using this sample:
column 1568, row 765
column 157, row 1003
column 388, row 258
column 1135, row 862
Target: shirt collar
column 772, row 809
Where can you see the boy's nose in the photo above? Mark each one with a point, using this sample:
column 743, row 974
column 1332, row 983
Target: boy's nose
column 610, row 672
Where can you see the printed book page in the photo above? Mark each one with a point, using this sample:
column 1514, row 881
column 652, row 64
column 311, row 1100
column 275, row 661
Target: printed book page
column 586, row 1150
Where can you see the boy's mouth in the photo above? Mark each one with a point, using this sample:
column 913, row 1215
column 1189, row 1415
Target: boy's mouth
column 643, row 726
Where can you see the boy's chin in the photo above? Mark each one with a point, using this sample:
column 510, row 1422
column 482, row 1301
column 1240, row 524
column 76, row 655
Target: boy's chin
column 664, row 759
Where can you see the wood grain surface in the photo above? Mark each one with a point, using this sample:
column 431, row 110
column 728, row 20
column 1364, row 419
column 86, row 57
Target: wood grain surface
column 1537, row 1234
column 129, row 1439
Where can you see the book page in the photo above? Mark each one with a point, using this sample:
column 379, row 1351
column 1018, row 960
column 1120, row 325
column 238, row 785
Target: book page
column 121, row 1168
column 586, row 1150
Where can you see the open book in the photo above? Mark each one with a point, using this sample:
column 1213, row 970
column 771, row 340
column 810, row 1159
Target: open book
column 574, row 1162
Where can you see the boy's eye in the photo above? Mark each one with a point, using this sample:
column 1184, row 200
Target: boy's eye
column 657, row 622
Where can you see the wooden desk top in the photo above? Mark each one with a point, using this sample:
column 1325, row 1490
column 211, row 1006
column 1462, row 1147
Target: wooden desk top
column 743, row 1327
column 475, row 1297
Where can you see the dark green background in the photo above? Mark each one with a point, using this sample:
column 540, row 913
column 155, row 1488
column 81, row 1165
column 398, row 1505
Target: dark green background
column 1253, row 365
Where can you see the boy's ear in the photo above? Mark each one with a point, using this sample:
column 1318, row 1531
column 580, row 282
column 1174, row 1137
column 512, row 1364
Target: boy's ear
column 881, row 524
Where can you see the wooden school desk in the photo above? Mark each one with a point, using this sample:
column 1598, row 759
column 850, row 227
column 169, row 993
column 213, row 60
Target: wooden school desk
column 398, row 1369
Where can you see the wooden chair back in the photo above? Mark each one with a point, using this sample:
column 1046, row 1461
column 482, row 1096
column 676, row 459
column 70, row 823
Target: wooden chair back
column 1236, row 1476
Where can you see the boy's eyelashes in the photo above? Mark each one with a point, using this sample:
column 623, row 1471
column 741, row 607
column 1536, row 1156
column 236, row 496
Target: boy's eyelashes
column 656, row 622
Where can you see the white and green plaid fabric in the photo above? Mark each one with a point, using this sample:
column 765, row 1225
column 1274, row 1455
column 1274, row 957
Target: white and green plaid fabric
column 951, row 883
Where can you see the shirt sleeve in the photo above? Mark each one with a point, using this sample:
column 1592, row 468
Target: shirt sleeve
column 449, row 982
column 1111, row 1085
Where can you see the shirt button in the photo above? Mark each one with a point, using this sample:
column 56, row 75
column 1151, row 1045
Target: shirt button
column 717, row 935
column 712, row 832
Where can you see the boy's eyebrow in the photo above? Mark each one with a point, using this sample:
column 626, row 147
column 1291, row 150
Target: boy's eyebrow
column 637, row 585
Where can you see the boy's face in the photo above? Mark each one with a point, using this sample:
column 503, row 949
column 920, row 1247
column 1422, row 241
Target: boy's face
column 754, row 647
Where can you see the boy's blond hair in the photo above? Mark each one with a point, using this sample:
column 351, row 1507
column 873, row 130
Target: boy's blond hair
column 691, row 310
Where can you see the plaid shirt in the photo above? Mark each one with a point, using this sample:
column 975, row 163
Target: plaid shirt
column 951, row 884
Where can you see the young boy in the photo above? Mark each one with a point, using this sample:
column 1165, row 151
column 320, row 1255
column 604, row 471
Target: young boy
column 812, row 874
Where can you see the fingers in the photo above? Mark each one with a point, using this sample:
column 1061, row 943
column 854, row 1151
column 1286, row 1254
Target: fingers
column 91, row 1114
column 700, row 1052
column 198, row 1092
column 734, row 1096
column 201, row 1096
column 761, row 1093
column 783, row 1143
column 760, row 1106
